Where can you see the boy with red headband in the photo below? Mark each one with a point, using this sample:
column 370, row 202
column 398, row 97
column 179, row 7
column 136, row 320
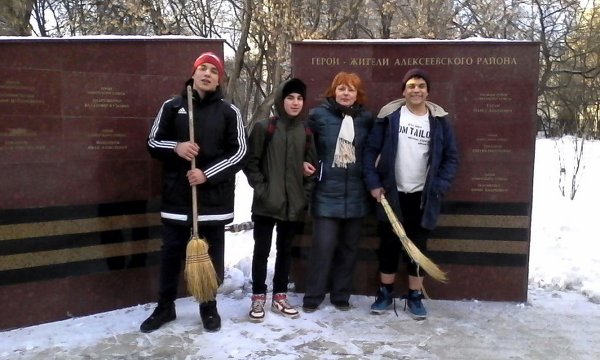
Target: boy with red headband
column 220, row 151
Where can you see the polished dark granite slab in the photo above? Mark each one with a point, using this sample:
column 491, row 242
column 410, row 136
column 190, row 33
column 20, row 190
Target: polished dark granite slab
column 79, row 223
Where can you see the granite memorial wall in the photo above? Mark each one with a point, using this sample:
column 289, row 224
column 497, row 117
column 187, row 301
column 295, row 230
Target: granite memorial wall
column 79, row 222
column 489, row 89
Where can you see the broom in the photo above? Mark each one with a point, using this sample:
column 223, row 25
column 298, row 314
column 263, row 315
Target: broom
column 413, row 251
column 199, row 272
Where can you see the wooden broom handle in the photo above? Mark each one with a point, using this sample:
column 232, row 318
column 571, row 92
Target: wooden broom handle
column 194, row 195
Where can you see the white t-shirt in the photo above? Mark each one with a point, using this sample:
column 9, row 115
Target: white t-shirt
column 413, row 151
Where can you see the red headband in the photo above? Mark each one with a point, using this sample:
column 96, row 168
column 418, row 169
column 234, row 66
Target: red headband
column 211, row 58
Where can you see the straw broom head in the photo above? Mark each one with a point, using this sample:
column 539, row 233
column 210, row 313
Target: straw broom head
column 411, row 249
column 200, row 274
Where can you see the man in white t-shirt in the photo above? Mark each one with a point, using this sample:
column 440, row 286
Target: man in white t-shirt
column 412, row 158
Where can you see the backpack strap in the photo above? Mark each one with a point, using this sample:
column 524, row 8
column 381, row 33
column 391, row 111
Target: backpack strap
column 272, row 126
column 308, row 133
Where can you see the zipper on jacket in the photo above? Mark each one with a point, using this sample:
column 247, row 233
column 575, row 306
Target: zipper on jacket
column 346, row 194
column 287, row 197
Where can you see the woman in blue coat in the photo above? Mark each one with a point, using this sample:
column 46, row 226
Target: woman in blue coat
column 340, row 200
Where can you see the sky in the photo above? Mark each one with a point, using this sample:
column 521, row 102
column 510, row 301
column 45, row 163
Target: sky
column 560, row 319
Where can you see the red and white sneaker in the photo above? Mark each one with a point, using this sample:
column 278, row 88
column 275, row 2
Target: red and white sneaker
column 257, row 310
column 282, row 306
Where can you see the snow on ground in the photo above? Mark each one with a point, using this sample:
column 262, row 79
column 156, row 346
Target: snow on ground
column 565, row 251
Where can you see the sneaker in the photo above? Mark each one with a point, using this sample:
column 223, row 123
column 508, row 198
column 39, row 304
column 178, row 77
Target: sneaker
column 341, row 305
column 161, row 315
column 414, row 305
column 383, row 301
column 257, row 310
column 282, row 306
column 210, row 316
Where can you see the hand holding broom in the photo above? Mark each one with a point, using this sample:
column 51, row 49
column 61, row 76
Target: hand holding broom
column 200, row 274
column 411, row 249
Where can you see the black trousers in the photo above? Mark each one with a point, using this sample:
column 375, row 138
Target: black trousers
column 263, row 235
column 333, row 255
column 390, row 247
column 175, row 239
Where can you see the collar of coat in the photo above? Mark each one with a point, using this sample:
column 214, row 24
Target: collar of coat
column 434, row 109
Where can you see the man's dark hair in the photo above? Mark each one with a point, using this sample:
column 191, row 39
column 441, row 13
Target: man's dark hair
column 415, row 73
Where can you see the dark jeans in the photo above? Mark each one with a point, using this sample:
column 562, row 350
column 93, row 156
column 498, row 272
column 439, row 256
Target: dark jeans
column 175, row 239
column 263, row 235
column 332, row 255
column 390, row 247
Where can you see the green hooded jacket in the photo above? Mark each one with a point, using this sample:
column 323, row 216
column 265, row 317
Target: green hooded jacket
column 275, row 167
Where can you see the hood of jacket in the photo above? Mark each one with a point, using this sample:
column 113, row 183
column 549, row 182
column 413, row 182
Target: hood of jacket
column 434, row 109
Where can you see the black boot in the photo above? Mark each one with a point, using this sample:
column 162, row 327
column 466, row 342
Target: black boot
column 210, row 316
column 162, row 314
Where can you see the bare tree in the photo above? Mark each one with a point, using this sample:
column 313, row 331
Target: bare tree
column 429, row 19
column 583, row 65
column 273, row 25
column 569, row 86
column 570, row 154
column 14, row 17
column 237, row 87
column 499, row 19
column 385, row 10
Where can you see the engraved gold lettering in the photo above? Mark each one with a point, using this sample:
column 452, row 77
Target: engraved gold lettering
column 370, row 61
column 107, row 139
column 434, row 61
column 106, row 97
column 328, row 61
column 496, row 60
column 490, row 182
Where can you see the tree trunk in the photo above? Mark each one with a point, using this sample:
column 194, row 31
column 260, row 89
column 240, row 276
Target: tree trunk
column 14, row 17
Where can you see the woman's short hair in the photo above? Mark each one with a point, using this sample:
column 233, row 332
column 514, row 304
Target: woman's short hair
column 352, row 79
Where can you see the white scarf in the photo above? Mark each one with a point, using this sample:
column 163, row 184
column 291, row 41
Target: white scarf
column 344, row 150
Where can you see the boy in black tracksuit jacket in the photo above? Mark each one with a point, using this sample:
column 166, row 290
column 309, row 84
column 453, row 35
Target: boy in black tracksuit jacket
column 219, row 150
